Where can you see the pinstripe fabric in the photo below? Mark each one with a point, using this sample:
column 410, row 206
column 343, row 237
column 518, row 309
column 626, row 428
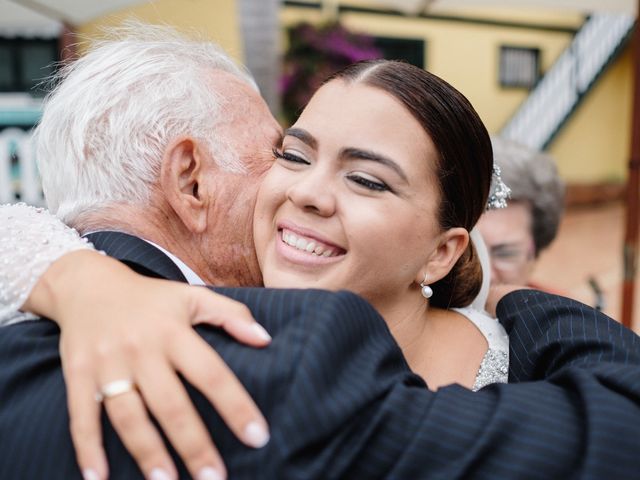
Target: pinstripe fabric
column 342, row 402
column 139, row 255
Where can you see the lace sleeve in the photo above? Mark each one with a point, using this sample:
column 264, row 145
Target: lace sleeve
column 31, row 239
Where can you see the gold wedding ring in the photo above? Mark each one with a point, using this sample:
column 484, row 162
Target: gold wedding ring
column 115, row 388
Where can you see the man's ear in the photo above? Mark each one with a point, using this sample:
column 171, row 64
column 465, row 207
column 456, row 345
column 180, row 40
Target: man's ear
column 451, row 245
column 185, row 164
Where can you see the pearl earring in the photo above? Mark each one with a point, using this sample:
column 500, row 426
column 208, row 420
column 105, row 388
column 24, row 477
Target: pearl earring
column 427, row 291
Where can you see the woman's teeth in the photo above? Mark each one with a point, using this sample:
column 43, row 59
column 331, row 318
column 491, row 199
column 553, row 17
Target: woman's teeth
column 311, row 246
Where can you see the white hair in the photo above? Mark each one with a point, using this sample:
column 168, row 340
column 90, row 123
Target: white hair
column 106, row 124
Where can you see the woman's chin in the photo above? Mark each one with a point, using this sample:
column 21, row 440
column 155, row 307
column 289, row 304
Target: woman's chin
column 296, row 279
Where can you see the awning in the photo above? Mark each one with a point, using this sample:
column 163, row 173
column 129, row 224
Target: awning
column 75, row 12
column 20, row 21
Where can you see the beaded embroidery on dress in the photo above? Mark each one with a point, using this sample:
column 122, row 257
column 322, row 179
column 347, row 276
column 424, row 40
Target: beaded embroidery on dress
column 31, row 239
column 494, row 367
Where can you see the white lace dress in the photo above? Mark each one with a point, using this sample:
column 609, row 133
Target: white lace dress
column 31, row 239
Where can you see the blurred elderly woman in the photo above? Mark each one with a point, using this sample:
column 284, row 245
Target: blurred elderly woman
column 516, row 235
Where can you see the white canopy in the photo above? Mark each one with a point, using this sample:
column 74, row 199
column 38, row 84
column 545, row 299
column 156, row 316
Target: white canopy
column 77, row 12
column 17, row 20
column 72, row 12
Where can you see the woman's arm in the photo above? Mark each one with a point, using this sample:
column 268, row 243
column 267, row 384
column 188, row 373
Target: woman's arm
column 31, row 239
column 145, row 336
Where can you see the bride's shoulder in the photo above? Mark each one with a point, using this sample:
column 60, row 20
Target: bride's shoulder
column 10, row 210
column 16, row 215
column 490, row 327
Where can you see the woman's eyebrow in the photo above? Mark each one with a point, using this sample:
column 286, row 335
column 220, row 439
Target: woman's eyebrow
column 302, row 135
column 357, row 153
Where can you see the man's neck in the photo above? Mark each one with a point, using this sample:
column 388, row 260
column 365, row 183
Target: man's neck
column 219, row 260
column 192, row 277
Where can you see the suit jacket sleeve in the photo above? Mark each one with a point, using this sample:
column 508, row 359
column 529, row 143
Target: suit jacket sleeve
column 342, row 402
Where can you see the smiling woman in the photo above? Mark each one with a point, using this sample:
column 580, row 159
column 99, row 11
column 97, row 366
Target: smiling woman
column 374, row 190
column 349, row 177
column 361, row 165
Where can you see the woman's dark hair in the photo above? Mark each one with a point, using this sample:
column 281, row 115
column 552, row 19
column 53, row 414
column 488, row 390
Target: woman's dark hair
column 465, row 158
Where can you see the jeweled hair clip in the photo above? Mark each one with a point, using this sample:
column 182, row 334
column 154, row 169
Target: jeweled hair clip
column 499, row 192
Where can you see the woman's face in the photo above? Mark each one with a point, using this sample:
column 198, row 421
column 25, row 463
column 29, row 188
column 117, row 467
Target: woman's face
column 351, row 200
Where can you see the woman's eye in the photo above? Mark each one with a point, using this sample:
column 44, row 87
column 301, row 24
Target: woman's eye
column 369, row 183
column 289, row 157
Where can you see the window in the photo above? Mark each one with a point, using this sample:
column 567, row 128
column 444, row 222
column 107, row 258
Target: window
column 409, row 50
column 519, row 67
column 24, row 63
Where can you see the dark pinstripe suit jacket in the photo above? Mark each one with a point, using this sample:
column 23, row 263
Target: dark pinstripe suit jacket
column 342, row 403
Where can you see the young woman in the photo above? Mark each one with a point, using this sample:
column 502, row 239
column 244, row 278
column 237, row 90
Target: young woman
column 375, row 190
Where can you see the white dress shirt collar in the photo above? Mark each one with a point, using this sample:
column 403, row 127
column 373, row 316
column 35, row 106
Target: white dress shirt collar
column 191, row 276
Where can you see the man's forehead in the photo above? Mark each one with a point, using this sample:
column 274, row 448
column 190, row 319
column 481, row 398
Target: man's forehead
column 229, row 85
column 237, row 94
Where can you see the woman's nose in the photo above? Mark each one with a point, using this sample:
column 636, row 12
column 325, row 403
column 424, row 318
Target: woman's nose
column 313, row 193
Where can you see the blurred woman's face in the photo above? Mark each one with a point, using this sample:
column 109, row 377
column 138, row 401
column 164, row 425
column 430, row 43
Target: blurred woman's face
column 351, row 200
column 507, row 234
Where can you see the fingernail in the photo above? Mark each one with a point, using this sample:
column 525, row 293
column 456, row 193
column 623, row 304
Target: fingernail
column 209, row 473
column 260, row 331
column 256, row 435
column 159, row 474
column 89, row 474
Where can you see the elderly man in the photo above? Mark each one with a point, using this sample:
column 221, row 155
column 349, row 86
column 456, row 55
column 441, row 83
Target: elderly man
column 174, row 141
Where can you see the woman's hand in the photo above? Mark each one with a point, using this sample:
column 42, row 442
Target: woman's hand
column 117, row 325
